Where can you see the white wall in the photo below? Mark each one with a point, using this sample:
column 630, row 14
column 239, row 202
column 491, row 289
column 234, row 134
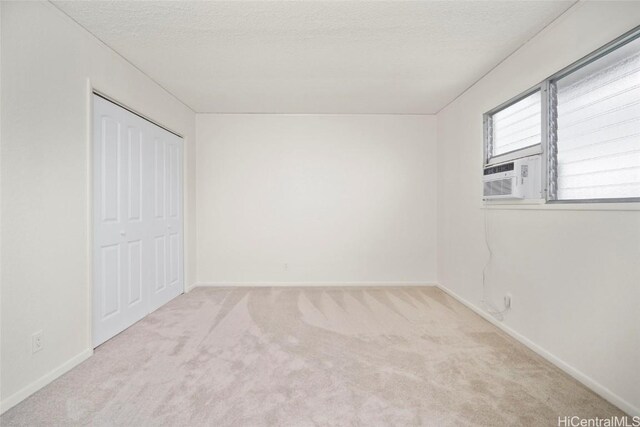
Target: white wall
column 574, row 274
column 339, row 198
column 47, row 59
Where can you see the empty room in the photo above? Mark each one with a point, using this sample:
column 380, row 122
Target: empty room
column 331, row 213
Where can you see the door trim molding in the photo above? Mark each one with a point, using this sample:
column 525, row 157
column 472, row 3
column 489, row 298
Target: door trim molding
column 132, row 111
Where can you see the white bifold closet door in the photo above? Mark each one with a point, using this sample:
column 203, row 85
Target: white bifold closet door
column 137, row 217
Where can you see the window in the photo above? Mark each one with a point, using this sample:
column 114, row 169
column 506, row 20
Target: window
column 514, row 127
column 584, row 121
column 598, row 128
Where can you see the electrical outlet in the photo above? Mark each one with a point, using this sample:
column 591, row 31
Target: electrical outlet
column 507, row 301
column 36, row 342
column 286, row 267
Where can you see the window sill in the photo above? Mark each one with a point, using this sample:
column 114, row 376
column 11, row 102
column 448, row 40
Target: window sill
column 539, row 204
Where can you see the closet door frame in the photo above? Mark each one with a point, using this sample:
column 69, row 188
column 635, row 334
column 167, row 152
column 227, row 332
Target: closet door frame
column 92, row 92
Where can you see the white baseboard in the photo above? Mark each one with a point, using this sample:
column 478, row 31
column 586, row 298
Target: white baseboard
column 27, row 391
column 308, row 284
column 596, row 387
column 584, row 379
column 189, row 288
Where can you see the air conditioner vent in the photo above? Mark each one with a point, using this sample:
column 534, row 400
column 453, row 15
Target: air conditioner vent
column 498, row 187
column 519, row 179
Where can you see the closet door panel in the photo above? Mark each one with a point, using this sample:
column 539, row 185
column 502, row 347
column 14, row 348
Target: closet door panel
column 137, row 238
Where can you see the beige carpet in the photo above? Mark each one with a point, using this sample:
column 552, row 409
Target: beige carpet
column 311, row 356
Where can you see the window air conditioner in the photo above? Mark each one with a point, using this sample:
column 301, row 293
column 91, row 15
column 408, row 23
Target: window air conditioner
column 517, row 179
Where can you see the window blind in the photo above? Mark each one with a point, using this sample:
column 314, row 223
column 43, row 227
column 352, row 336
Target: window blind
column 517, row 126
column 598, row 128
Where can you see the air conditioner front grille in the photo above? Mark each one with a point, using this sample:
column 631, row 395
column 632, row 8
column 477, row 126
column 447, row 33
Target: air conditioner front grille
column 498, row 187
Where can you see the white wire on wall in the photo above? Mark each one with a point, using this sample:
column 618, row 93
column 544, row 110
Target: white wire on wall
column 488, row 305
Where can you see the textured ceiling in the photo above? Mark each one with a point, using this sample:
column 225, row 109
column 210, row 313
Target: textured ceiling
column 312, row 56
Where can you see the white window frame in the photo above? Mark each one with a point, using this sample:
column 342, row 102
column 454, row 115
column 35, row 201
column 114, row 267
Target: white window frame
column 530, row 150
column 548, row 146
